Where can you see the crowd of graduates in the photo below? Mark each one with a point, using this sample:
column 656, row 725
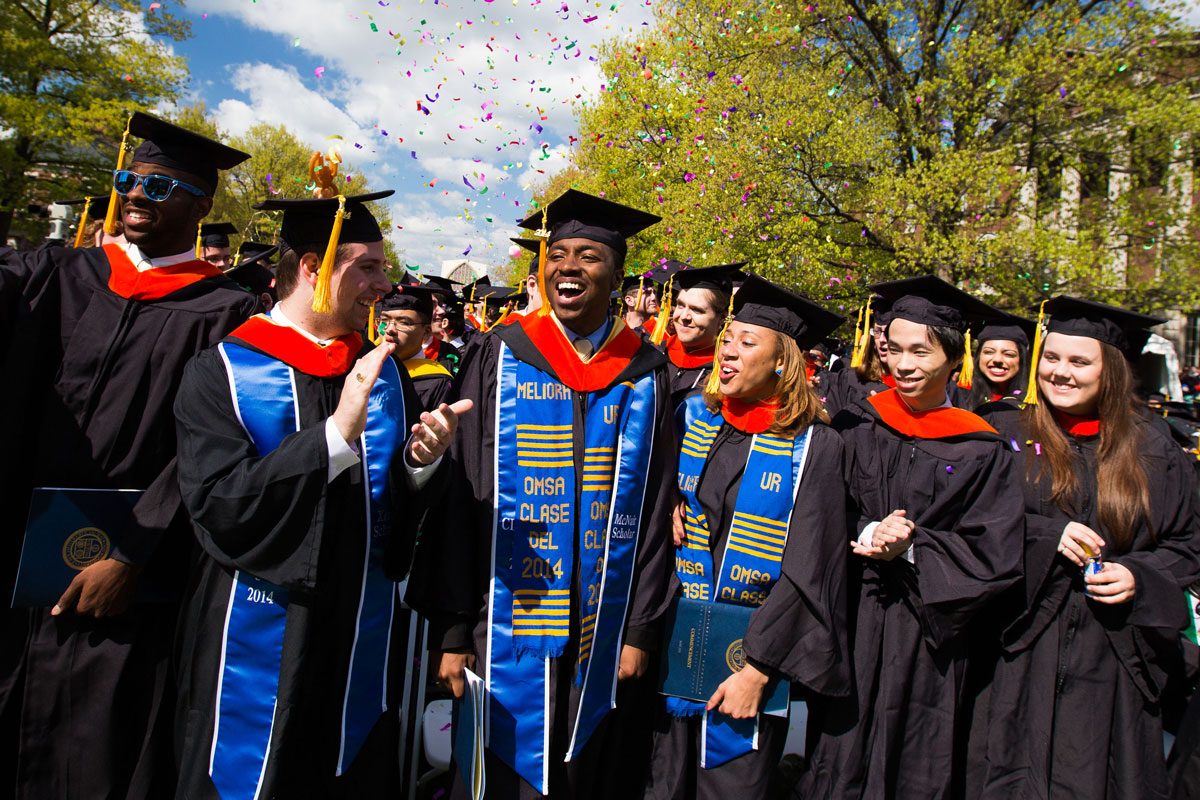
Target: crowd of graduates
column 964, row 540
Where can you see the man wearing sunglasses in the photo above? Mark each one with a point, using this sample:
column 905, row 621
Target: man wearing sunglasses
column 93, row 341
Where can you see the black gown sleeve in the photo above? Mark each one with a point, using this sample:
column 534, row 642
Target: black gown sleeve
column 800, row 630
column 263, row 514
column 654, row 579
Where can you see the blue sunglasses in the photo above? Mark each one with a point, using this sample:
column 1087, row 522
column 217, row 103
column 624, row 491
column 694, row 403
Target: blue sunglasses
column 155, row 187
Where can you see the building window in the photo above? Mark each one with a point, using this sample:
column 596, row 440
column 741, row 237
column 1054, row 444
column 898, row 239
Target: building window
column 1191, row 340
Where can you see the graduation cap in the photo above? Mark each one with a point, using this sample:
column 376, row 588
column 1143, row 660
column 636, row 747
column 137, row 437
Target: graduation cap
column 216, row 234
column 718, row 279
column 1128, row 331
column 416, row 298
column 251, row 251
column 252, row 276
column 1010, row 328
column 339, row 220
column 440, row 285
column 929, row 300
column 496, row 296
column 579, row 215
column 532, row 245
column 257, row 254
column 760, row 302
column 472, row 291
column 168, row 145
column 94, row 206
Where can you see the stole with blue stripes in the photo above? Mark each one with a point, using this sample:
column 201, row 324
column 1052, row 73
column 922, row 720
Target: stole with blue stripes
column 539, row 529
column 753, row 557
column 252, row 649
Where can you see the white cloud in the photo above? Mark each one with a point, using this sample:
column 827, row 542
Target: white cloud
column 498, row 80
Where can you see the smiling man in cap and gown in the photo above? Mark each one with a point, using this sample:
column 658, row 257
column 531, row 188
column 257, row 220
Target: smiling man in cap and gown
column 937, row 523
column 302, row 482
column 554, row 563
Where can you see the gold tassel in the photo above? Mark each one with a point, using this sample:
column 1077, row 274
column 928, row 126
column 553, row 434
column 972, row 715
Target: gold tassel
column 854, row 341
column 114, row 200
column 1030, row 398
column 321, row 294
column 864, row 338
column 83, row 222
column 713, row 384
column 199, row 236
column 504, row 312
column 543, row 236
column 373, row 327
column 967, row 373
column 664, row 314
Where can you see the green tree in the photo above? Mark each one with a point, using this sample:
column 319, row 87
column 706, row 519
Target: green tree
column 1018, row 148
column 70, row 70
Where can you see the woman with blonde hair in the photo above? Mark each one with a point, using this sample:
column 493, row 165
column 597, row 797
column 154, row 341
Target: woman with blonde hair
column 762, row 525
column 1076, row 702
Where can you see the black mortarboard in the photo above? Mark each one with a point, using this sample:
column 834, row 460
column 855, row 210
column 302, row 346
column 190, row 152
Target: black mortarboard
column 216, row 234
column 472, row 291
column 760, row 302
column 252, row 276
column 417, row 298
column 439, row 284
column 641, row 279
column 719, row 278
column 533, row 246
column 579, row 215
column 496, row 296
column 248, row 252
column 929, row 300
column 171, row 146
column 96, row 207
column 332, row 221
column 1010, row 328
column 1126, row 330
column 310, row 221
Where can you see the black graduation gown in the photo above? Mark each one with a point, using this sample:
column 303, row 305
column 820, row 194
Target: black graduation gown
column 798, row 633
column 94, row 376
column 451, row 572
column 449, row 356
column 842, row 388
column 277, row 518
column 1075, row 706
column 686, row 381
column 897, row 737
column 432, row 389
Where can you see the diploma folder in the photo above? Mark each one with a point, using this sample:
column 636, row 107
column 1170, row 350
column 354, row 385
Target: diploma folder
column 704, row 647
column 68, row 529
column 468, row 735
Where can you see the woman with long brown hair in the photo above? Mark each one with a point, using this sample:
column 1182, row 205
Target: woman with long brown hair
column 762, row 525
column 1075, row 703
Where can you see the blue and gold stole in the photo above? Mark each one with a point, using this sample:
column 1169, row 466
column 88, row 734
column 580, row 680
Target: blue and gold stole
column 753, row 557
column 264, row 396
column 538, row 529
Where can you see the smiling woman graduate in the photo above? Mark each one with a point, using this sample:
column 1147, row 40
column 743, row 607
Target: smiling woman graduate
column 761, row 420
column 1077, row 700
column 553, row 562
column 937, row 518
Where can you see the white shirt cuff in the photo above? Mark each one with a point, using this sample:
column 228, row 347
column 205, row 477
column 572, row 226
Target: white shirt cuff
column 419, row 476
column 868, row 532
column 342, row 456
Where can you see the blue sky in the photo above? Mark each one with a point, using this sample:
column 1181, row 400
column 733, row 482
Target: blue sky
column 455, row 104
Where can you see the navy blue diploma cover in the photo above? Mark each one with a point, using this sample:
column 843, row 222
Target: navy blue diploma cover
column 469, row 735
column 704, row 647
column 68, row 529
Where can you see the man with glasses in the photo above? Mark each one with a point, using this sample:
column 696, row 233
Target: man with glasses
column 407, row 316
column 96, row 340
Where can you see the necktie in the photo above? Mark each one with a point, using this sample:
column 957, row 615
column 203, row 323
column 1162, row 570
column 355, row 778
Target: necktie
column 583, row 346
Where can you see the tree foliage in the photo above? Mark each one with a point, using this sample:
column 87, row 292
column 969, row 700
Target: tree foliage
column 1020, row 148
column 69, row 72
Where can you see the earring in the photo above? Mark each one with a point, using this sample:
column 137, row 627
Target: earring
column 779, row 371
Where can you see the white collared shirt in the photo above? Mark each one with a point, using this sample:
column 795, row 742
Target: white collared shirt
column 145, row 264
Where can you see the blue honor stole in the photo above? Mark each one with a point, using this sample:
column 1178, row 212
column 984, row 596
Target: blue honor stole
column 753, row 557
column 264, row 396
column 537, row 530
